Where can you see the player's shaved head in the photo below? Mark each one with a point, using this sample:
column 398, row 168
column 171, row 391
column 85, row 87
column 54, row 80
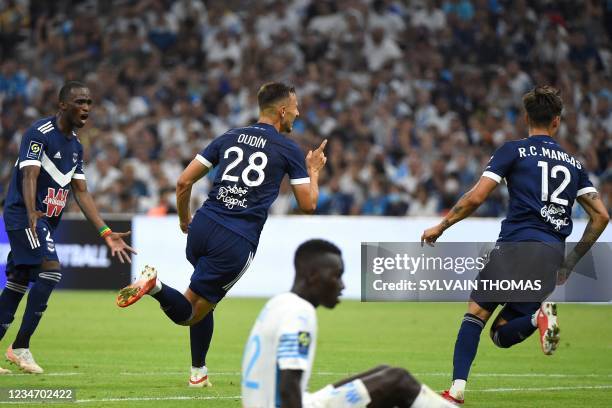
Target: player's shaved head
column 318, row 273
column 64, row 93
column 310, row 252
column 542, row 104
column 271, row 93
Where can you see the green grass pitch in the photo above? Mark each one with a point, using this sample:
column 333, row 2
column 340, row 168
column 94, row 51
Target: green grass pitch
column 136, row 357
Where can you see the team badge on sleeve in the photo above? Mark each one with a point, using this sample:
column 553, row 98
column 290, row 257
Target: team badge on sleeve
column 35, row 150
column 304, row 341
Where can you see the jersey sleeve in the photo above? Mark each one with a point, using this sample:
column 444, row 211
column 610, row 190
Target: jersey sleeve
column 501, row 162
column 297, row 166
column 295, row 341
column 584, row 184
column 32, row 146
column 79, row 174
column 210, row 155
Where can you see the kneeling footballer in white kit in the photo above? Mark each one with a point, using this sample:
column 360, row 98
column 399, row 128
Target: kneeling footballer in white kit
column 280, row 351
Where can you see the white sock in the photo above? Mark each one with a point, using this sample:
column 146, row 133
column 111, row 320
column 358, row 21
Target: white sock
column 457, row 389
column 156, row 288
column 199, row 370
column 429, row 399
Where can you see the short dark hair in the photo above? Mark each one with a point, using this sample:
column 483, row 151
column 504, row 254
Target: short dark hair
column 310, row 249
column 272, row 92
column 64, row 93
column 542, row 104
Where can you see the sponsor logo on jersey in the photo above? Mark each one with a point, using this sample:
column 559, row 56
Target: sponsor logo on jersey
column 553, row 214
column 34, row 150
column 231, row 196
column 56, row 201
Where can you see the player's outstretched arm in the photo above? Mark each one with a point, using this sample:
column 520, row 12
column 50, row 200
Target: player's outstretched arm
column 30, row 178
column 194, row 171
column 307, row 195
column 114, row 240
column 598, row 221
column 289, row 387
column 464, row 207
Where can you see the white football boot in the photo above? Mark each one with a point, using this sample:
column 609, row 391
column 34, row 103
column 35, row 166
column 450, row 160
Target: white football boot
column 23, row 358
column 199, row 377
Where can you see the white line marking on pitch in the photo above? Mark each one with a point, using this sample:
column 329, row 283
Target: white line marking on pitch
column 46, row 374
column 436, row 374
column 326, row 373
column 177, row 398
column 195, row 397
column 570, row 388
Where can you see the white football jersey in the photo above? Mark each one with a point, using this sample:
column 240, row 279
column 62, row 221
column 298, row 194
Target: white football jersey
column 283, row 338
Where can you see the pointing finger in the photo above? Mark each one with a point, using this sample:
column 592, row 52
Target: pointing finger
column 322, row 145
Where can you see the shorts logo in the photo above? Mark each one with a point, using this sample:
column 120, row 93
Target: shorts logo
column 55, row 201
column 304, row 341
column 35, row 150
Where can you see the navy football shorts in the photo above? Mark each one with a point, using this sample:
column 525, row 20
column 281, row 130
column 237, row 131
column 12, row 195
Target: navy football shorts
column 27, row 252
column 219, row 257
column 519, row 261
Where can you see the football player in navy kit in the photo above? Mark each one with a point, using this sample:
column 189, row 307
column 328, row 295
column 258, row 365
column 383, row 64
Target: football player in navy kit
column 543, row 182
column 50, row 164
column 223, row 235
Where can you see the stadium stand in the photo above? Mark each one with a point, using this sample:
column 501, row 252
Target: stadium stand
column 413, row 96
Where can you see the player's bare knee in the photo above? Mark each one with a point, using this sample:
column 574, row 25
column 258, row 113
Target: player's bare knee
column 50, row 272
column 478, row 311
column 50, row 266
column 200, row 309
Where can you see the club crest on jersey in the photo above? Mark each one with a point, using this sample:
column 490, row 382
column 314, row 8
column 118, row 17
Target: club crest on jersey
column 34, row 150
column 56, row 201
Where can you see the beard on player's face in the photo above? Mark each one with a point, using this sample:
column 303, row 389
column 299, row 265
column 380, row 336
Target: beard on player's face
column 286, row 125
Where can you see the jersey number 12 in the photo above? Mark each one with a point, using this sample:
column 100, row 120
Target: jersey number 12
column 554, row 197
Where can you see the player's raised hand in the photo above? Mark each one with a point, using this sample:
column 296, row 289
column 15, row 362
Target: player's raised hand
column 32, row 221
column 118, row 246
column 430, row 235
column 315, row 159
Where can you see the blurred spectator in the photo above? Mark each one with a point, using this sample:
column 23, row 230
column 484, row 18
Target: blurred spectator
column 165, row 205
column 423, row 205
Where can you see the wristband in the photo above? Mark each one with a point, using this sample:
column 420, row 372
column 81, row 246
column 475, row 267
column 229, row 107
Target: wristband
column 105, row 231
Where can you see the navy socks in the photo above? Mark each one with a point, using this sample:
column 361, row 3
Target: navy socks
column 200, row 336
column 9, row 301
column 174, row 304
column 466, row 345
column 35, row 306
column 513, row 332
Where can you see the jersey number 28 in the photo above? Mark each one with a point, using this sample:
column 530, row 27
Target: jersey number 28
column 554, row 197
column 253, row 166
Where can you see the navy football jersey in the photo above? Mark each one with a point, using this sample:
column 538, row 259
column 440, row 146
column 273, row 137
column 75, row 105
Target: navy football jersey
column 60, row 159
column 543, row 183
column 251, row 163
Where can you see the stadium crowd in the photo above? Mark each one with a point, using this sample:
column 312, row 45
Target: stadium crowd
column 414, row 96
